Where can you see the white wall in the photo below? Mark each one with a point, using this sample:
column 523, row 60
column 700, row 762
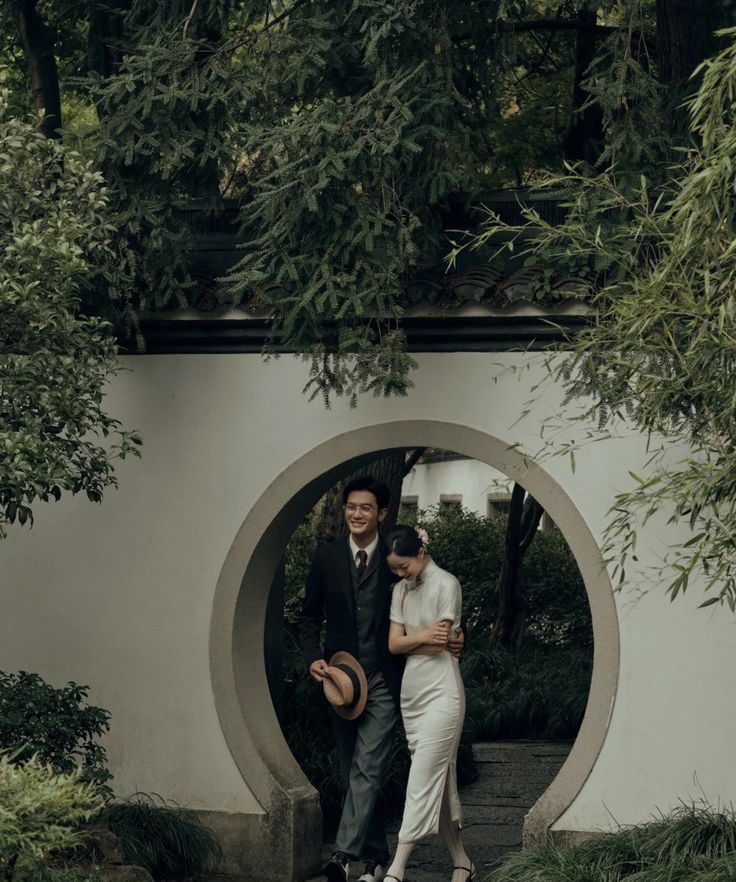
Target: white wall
column 119, row 596
column 473, row 481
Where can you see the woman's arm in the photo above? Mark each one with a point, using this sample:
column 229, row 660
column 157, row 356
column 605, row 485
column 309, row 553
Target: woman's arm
column 427, row 649
column 399, row 642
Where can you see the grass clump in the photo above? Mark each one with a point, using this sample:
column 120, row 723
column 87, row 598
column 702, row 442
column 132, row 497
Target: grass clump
column 693, row 843
column 168, row 841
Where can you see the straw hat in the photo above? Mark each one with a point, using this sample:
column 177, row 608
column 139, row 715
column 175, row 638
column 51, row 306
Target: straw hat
column 345, row 685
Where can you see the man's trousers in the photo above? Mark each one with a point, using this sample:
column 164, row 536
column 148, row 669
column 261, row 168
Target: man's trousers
column 363, row 747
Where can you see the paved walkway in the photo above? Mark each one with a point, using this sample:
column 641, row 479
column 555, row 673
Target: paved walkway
column 512, row 775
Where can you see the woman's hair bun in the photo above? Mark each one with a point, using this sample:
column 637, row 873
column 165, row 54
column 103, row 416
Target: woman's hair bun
column 404, row 541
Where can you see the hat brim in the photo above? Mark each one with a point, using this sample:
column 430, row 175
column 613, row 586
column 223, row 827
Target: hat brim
column 352, row 713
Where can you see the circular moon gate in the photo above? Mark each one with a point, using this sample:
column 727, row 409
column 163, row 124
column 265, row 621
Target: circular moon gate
column 289, row 830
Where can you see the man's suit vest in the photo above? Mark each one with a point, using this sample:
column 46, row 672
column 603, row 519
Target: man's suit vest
column 330, row 599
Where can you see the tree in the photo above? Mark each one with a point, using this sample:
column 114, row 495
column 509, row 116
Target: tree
column 347, row 128
column 660, row 351
column 54, row 360
column 37, row 39
column 522, row 523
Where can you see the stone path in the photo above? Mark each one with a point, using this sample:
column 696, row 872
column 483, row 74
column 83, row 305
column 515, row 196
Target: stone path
column 512, row 775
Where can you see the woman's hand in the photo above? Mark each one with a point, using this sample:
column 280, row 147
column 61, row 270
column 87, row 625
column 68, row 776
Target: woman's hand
column 438, row 634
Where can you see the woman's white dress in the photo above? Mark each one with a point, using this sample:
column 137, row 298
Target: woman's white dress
column 432, row 703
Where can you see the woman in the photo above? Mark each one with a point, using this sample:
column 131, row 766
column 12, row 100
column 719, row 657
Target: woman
column 426, row 604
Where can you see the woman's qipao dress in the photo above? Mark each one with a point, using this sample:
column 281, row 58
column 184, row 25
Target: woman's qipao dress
column 432, row 703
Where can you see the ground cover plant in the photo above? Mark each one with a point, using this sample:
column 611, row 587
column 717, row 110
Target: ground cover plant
column 161, row 837
column 57, row 731
column 693, row 843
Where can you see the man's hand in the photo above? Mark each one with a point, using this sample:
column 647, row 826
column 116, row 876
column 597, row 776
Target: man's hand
column 456, row 642
column 317, row 670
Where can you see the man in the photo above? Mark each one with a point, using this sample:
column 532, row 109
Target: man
column 349, row 585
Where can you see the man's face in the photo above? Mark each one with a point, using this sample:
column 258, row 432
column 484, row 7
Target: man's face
column 363, row 516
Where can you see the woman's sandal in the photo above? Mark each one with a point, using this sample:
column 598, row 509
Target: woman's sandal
column 389, row 876
column 471, row 871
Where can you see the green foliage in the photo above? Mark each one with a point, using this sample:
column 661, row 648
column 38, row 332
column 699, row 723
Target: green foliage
column 160, row 139
column 360, row 139
column 623, row 83
column 660, row 351
column 55, row 725
column 539, row 692
column 54, row 360
column 350, row 130
column 344, row 127
column 694, row 843
column 542, row 690
column 56, row 872
column 472, row 548
column 40, row 812
column 168, row 841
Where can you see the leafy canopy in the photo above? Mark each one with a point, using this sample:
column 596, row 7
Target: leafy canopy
column 55, row 435
column 660, row 350
column 346, row 129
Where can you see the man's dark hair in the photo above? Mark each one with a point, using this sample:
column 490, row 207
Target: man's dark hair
column 370, row 485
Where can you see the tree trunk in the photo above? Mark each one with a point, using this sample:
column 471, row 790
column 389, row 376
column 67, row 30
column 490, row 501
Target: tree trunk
column 585, row 135
column 523, row 520
column 37, row 40
column 105, row 36
column 684, row 39
column 391, row 469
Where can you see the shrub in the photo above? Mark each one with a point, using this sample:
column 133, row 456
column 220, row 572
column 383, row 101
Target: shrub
column 168, row 841
column 57, row 725
column 694, row 843
column 471, row 547
column 538, row 692
column 40, row 812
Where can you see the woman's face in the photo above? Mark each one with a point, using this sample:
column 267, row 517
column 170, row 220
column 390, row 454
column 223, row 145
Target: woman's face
column 407, row 567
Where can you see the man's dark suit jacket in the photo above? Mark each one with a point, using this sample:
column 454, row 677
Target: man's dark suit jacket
column 329, row 595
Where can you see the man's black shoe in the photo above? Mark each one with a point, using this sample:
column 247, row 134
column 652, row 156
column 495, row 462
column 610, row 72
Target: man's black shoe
column 336, row 869
column 374, row 871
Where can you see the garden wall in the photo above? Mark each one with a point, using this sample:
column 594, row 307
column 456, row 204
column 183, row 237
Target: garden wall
column 141, row 597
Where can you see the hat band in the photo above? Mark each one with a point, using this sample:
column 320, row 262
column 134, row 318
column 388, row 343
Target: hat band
column 347, row 669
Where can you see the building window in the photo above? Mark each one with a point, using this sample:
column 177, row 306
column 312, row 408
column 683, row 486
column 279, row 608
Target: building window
column 498, row 505
column 450, row 500
column 408, row 505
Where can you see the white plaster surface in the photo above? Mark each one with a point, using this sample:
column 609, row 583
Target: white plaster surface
column 119, row 596
column 469, row 479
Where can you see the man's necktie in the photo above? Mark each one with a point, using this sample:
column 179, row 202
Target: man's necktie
column 362, row 556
